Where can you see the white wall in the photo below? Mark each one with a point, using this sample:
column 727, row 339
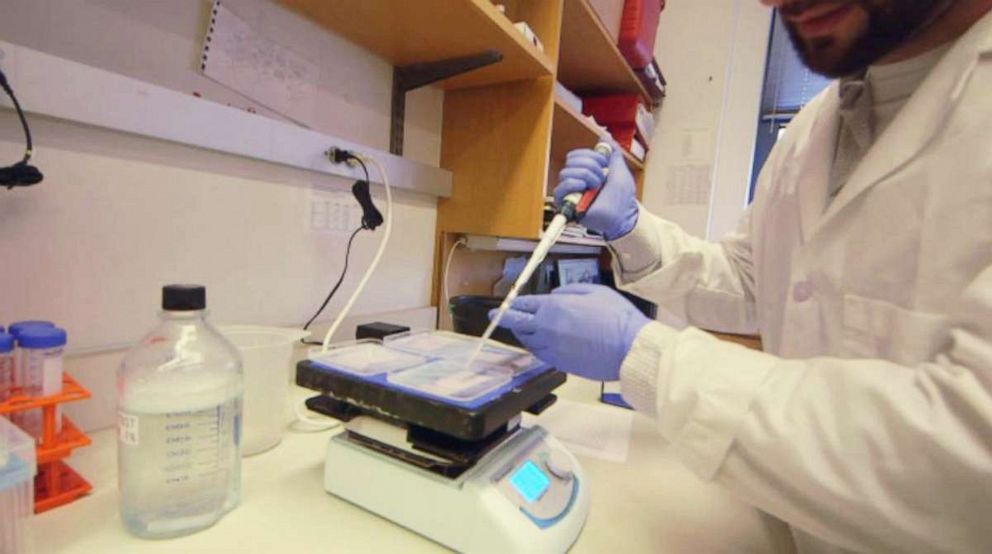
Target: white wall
column 118, row 216
column 712, row 53
column 159, row 41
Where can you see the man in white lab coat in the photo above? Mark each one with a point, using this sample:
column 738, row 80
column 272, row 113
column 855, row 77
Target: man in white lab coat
column 865, row 262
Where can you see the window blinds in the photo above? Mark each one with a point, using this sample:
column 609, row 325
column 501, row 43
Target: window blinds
column 789, row 85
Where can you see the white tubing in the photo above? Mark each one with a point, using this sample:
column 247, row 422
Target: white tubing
column 447, row 267
column 375, row 261
column 314, row 425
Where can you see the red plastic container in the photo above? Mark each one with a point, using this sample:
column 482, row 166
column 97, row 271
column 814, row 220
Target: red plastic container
column 638, row 29
column 612, row 109
column 623, row 134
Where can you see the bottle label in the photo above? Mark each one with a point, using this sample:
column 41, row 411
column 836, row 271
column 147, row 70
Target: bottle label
column 127, row 428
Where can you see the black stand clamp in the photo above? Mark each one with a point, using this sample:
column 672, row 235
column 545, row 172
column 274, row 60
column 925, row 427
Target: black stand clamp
column 416, row 75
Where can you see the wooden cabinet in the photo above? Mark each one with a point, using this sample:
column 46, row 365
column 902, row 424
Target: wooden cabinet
column 505, row 144
column 505, row 134
column 412, row 31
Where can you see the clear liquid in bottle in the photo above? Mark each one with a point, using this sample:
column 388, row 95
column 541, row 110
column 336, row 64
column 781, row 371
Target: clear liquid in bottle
column 179, row 427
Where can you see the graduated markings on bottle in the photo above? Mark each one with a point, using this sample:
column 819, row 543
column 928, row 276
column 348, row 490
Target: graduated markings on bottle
column 188, row 437
column 179, row 432
column 127, row 428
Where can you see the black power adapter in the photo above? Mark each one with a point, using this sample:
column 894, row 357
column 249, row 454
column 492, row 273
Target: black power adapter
column 378, row 330
column 371, row 216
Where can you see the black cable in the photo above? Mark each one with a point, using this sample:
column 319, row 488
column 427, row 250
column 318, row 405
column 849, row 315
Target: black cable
column 20, row 174
column 371, row 218
column 337, row 285
column 20, row 114
column 362, row 163
column 342, row 155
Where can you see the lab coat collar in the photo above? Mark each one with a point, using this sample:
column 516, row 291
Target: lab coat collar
column 919, row 122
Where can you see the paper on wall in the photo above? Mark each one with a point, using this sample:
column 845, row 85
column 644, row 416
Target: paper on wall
column 236, row 56
column 689, row 185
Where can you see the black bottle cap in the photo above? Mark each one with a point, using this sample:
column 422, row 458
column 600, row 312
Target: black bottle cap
column 184, row 298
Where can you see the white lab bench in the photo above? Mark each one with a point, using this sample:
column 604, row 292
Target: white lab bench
column 650, row 503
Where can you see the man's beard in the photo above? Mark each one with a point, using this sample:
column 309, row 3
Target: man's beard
column 890, row 23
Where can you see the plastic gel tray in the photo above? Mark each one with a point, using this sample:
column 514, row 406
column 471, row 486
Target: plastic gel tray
column 433, row 364
column 441, row 344
column 451, row 379
column 452, row 346
column 368, row 357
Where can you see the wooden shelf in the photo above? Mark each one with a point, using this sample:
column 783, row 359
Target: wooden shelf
column 589, row 61
column 564, row 245
column 588, row 242
column 571, row 130
column 496, row 142
column 430, row 30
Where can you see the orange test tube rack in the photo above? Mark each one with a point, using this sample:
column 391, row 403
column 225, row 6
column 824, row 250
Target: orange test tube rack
column 56, row 483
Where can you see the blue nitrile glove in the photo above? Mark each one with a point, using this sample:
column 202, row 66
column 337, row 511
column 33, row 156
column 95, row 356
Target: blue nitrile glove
column 582, row 329
column 614, row 213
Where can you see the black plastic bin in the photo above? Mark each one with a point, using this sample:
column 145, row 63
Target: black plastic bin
column 470, row 316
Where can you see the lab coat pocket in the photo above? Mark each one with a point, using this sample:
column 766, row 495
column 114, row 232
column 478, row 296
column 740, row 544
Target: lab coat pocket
column 879, row 329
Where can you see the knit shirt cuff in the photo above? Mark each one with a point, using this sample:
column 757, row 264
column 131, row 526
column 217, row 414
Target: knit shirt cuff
column 640, row 370
column 639, row 251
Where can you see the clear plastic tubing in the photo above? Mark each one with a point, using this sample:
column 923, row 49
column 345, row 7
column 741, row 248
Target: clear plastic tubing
column 179, row 422
column 41, row 370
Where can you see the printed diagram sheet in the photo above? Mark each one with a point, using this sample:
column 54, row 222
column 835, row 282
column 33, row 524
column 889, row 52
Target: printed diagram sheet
column 236, row 56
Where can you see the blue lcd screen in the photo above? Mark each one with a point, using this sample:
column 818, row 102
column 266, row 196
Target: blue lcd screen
column 530, row 481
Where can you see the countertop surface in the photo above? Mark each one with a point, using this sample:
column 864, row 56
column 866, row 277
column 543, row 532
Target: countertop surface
column 650, row 503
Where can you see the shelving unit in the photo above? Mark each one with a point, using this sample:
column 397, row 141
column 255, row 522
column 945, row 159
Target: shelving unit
column 590, row 61
column 504, row 134
column 565, row 245
column 573, row 130
column 496, row 143
column 429, row 30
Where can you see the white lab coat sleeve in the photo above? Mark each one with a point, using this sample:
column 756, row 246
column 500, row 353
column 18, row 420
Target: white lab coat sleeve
column 863, row 453
column 709, row 285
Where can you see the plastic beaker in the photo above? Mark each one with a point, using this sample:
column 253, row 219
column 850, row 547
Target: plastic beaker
column 266, row 355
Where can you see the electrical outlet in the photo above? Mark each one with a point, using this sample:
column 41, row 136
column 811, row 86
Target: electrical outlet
column 333, row 212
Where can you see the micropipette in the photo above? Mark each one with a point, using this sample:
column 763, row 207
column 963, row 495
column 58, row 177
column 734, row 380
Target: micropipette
column 573, row 207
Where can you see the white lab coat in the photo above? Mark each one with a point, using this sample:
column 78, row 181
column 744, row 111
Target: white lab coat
column 867, row 423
